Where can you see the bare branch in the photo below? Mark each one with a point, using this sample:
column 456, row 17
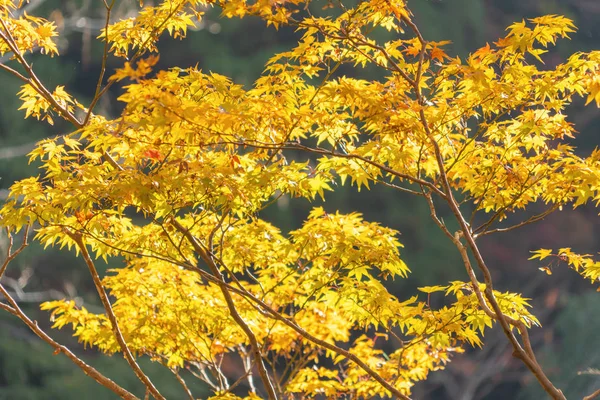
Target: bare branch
column 7, row 308
column 97, row 94
column 203, row 376
column 181, row 381
column 382, row 167
column 530, row 220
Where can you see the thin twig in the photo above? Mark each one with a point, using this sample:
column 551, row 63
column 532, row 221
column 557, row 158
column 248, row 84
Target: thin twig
column 181, row 381
column 203, row 377
column 39, row 87
column 136, row 55
column 7, row 37
column 248, row 365
column 251, row 298
column 9, row 254
column 530, row 220
column 97, row 96
column 14, row 73
column 7, row 308
column 318, row 150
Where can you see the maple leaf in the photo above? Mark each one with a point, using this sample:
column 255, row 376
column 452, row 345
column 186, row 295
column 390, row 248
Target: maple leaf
column 153, row 154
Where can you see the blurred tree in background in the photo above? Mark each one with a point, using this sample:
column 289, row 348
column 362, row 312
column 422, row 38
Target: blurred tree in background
column 239, row 49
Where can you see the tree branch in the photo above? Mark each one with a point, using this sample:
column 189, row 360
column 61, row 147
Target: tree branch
column 58, row 348
column 98, row 92
column 9, row 254
column 33, row 80
column 77, row 238
column 184, row 385
column 530, row 220
column 240, row 290
column 382, row 167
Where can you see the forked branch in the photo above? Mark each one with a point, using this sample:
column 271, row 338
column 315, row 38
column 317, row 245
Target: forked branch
column 10, row 255
column 226, row 288
column 256, row 348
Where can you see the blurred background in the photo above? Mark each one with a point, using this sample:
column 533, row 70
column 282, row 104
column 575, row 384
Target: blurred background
column 568, row 346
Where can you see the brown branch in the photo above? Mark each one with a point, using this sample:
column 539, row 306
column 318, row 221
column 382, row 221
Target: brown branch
column 310, row 101
column 530, row 220
column 395, row 67
column 58, row 348
column 338, row 350
column 434, row 216
column 136, row 55
column 276, row 315
column 482, row 301
column 593, row 395
column 391, row 171
column 524, row 186
column 37, row 84
column 526, row 355
column 14, row 73
column 318, row 150
column 77, row 238
column 240, row 290
column 202, row 376
column 248, row 365
column 7, row 308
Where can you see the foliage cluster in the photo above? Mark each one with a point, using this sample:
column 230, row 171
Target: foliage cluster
column 175, row 185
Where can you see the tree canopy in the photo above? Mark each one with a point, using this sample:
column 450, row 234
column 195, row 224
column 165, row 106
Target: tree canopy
column 175, row 185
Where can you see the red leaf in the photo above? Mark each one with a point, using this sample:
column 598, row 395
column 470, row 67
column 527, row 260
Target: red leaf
column 153, row 154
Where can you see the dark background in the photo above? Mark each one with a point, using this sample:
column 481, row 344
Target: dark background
column 566, row 305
